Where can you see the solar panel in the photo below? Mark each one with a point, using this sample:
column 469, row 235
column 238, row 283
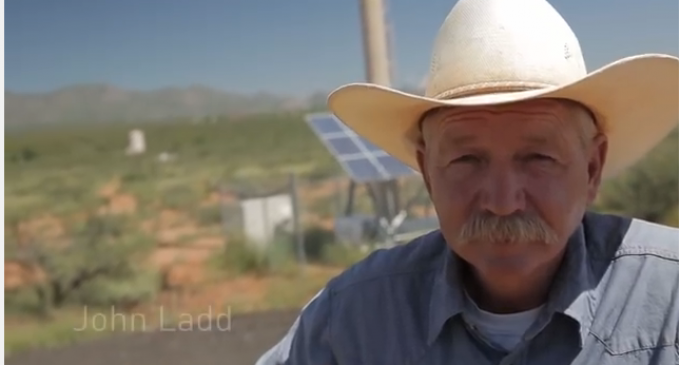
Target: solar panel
column 361, row 159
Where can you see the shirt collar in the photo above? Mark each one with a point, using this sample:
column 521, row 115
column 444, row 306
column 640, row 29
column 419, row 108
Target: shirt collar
column 448, row 297
column 569, row 294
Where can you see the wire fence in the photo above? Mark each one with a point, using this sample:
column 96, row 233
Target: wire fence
column 296, row 208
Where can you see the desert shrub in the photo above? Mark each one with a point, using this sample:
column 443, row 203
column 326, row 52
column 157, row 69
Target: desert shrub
column 179, row 197
column 241, row 256
column 342, row 255
column 139, row 286
column 325, row 207
column 649, row 190
column 671, row 217
column 281, row 255
column 209, row 215
column 24, row 301
column 103, row 250
column 315, row 240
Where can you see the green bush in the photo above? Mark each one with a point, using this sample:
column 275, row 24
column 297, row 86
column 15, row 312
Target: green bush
column 209, row 215
column 281, row 255
column 141, row 285
column 103, row 252
column 241, row 256
column 315, row 241
column 25, row 301
column 342, row 255
column 671, row 217
column 649, row 190
column 179, row 197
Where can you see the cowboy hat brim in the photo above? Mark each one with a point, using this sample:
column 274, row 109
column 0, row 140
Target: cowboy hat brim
column 635, row 101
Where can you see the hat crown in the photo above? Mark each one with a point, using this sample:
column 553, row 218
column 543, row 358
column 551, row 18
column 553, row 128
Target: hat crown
column 491, row 46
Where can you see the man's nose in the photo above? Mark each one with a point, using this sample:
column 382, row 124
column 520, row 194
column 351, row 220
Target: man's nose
column 502, row 192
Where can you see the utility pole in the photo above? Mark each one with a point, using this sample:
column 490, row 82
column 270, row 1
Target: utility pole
column 377, row 67
column 376, row 50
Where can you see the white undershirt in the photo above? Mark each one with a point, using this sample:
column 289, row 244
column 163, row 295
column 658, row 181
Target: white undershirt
column 503, row 330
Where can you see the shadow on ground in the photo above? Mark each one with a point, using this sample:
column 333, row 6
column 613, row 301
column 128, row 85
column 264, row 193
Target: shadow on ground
column 239, row 342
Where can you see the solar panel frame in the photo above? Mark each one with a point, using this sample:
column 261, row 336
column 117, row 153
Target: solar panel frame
column 359, row 158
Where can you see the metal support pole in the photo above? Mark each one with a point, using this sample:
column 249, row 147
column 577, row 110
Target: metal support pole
column 297, row 226
column 223, row 208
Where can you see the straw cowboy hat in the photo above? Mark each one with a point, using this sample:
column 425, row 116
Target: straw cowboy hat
column 499, row 51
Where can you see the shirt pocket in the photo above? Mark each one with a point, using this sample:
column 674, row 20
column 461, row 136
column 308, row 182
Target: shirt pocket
column 638, row 307
column 638, row 329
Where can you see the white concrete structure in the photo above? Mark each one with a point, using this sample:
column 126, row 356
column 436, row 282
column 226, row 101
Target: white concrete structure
column 136, row 142
column 262, row 216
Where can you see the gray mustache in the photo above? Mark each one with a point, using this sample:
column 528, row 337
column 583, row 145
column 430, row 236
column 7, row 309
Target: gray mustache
column 512, row 229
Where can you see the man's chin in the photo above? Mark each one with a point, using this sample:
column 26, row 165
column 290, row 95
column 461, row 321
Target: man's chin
column 507, row 262
column 506, row 253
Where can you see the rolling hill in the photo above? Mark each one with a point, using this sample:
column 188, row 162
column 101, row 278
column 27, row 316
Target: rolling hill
column 99, row 103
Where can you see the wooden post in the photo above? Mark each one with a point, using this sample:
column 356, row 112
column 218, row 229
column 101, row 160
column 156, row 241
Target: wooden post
column 297, row 226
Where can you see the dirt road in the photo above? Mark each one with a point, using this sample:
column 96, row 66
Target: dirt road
column 238, row 342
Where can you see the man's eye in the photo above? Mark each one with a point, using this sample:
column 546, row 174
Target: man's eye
column 539, row 157
column 466, row 159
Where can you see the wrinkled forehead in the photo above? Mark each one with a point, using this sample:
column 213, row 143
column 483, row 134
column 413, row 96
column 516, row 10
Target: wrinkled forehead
column 535, row 115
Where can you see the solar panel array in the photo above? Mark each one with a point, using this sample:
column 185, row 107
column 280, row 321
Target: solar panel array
column 361, row 160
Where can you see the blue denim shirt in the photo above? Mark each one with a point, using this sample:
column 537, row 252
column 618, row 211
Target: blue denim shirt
column 614, row 301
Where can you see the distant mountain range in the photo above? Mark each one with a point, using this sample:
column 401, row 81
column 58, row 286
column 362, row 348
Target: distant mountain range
column 102, row 103
column 105, row 103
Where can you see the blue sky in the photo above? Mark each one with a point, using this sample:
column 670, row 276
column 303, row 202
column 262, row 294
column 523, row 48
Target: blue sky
column 282, row 46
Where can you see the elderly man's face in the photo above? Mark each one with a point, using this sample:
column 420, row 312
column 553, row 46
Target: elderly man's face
column 511, row 183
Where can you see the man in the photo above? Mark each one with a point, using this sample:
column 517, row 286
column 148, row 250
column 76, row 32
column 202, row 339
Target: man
column 513, row 139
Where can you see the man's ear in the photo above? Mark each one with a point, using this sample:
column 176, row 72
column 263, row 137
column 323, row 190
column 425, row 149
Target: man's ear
column 596, row 160
column 421, row 157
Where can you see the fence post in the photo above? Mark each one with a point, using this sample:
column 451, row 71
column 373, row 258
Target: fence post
column 297, row 226
column 223, row 207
